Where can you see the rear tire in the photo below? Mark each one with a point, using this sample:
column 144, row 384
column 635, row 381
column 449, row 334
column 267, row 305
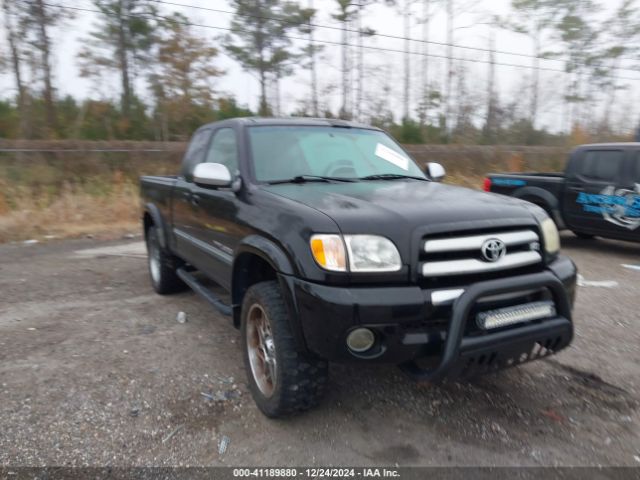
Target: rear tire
column 282, row 380
column 162, row 266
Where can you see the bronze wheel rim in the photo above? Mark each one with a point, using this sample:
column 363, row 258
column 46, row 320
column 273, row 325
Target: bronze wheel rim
column 261, row 349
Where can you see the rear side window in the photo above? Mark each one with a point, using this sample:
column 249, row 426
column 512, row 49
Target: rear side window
column 195, row 153
column 636, row 169
column 601, row 165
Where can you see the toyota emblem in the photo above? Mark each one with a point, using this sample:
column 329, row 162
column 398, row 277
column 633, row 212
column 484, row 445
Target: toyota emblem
column 493, row 250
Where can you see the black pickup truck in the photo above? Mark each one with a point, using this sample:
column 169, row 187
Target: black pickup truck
column 599, row 193
column 335, row 246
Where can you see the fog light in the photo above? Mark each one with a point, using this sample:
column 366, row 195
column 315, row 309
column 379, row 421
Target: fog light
column 360, row 340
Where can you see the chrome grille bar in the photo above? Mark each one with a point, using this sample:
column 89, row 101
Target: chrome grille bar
column 472, row 265
column 474, row 242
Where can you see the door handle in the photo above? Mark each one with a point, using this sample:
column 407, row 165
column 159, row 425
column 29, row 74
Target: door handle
column 195, row 200
column 576, row 189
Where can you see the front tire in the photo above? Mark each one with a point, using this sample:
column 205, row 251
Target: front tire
column 282, row 380
column 162, row 266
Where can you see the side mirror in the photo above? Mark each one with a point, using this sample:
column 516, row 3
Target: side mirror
column 212, row 175
column 435, row 171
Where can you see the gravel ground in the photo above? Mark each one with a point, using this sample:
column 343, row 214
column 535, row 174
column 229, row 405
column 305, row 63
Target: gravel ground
column 95, row 370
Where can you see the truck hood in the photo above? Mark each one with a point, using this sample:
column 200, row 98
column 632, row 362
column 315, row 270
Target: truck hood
column 396, row 208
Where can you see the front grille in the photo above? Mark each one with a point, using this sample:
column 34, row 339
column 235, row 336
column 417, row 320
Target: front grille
column 462, row 255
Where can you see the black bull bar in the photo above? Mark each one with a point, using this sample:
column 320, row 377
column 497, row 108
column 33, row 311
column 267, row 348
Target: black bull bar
column 465, row 356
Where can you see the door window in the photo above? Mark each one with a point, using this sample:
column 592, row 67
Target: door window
column 195, row 153
column 601, row 165
column 224, row 149
column 636, row 169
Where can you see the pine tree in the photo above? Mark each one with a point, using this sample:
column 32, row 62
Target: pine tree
column 121, row 42
column 259, row 41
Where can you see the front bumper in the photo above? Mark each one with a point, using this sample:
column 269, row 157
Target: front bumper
column 411, row 323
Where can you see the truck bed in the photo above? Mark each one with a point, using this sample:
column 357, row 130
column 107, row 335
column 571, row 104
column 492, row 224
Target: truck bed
column 543, row 189
column 552, row 177
column 506, row 182
column 157, row 190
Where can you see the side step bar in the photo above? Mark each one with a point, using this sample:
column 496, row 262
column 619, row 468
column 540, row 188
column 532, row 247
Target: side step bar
column 201, row 290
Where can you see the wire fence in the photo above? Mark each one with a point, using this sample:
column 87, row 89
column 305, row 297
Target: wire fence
column 86, row 146
column 56, row 162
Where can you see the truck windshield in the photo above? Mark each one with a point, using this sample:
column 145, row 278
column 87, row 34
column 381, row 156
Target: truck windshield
column 287, row 152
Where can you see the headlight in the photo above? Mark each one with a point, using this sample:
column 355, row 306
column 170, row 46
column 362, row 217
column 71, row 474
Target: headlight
column 551, row 236
column 364, row 253
column 370, row 253
column 328, row 251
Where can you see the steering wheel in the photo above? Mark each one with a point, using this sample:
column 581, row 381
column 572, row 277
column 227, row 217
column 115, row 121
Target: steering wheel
column 338, row 166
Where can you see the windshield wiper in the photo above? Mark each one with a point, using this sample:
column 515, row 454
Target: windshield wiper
column 311, row 178
column 391, row 176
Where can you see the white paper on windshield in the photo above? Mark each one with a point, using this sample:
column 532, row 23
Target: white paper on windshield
column 392, row 157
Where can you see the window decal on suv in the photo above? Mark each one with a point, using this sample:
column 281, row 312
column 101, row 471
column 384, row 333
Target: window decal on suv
column 618, row 206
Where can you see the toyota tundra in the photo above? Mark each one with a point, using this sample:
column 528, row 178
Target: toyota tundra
column 335, row 246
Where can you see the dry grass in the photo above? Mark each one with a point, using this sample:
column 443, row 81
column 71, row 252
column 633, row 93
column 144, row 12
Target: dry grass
column 76, row 214
column 470, row 181
column 72, row 213
column 66, row 191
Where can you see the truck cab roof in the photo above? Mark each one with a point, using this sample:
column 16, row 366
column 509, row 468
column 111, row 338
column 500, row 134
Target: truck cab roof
column 608, row 146
column 290, row 121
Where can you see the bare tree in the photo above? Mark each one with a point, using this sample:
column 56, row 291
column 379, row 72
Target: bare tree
column 449, row 73
column 424, row 64
column 37, row 19
column 312, row 62
column 624, row 32
column 536, row 19
column 310, row 52
column 406, row 96
column 344, row 15
column 121, row 42
column 578, row 37
column 362, row 32
column 13, row 41
column 490, row 126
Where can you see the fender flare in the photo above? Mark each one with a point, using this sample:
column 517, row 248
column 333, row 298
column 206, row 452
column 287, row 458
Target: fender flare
column 156, row 216
column 268, row 251
column 544, row 198
column 275, row 256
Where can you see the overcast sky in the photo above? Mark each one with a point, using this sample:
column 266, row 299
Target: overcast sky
column 382, row 67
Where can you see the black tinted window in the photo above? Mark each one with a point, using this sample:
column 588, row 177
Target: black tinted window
column 636, row 170
column 224, row 149
column 601, row 165
column 195, row 153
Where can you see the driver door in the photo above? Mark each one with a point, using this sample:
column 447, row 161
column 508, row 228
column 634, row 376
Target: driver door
column 185, row 209
column 218, row 231
column 597, row 175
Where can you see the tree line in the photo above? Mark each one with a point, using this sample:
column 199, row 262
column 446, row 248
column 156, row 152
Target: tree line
column 167, row 68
